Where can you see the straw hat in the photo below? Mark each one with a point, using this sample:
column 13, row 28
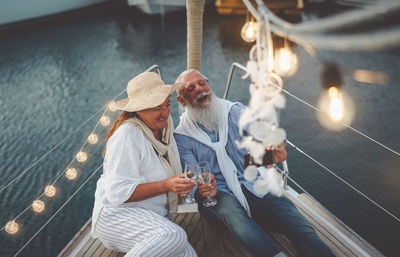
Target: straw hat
column 146, row 90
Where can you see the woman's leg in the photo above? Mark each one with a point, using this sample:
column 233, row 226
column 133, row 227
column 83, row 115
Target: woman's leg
column 140, row 232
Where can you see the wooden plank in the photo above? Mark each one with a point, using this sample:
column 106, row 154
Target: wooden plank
column 232, row 247
column 107, row 253
column 76, row 240
column 115, row 254
column 96, row 244
column 196, row 238
column 340, row 238
column 284, row 244
column 339, row 225
column 195, row 223
column 99, row 251
column 84, row 249
column 212, row 238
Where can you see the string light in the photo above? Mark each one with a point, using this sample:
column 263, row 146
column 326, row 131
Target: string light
column 105, row 121
column 112, row 106
column 81, row 156
column 38, row 205
column 336, row 106
column 286, row 61
column 71, row 173
column 50, row 191
column 249, row 30
column 12, row 227
column 92, row 138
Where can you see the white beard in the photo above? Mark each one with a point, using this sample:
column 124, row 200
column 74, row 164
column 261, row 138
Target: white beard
column 209, row 116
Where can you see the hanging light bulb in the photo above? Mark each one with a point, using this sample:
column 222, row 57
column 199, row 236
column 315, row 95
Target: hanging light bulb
column 105, row 121
column 335, row 105
column 71, row 173
column 49, row 190
column 286, row 61
column 112, row 106
column 92, row 138
column 81, row 156
column 249, row 30
column 12, row 227
column 38, row 205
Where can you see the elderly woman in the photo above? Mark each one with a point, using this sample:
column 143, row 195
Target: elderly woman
column 142, row 176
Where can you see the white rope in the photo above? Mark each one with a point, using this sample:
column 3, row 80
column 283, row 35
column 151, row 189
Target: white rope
column 37, row 232
column 363, row 41
column 348, row 126
column 153, row 67
column 307, row 33
column 337, row 21
column 78, row 151
column 294, row 182
column 342, row 180
column 51, row 150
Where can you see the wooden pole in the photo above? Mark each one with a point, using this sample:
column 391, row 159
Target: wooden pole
column 194, row 11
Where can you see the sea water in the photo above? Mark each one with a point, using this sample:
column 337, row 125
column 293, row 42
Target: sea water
column 56, row 73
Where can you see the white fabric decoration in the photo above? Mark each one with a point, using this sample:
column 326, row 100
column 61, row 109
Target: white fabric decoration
column 270, row 181
column 261, row 117
column 250, row 173
column 274, row 137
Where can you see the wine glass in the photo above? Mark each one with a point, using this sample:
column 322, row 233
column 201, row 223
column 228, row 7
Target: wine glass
column 205, row 177
column 191, row 173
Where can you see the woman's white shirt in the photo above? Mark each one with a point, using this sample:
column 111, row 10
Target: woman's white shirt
column 130, row 160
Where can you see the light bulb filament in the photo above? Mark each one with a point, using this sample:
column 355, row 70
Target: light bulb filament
column 335, row 104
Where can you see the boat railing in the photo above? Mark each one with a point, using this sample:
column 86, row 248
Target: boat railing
column 285, row 170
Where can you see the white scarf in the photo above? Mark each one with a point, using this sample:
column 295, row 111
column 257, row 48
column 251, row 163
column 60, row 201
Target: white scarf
column 171, row 165
column 190, row 128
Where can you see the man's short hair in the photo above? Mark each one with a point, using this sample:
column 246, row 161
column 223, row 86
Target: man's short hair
column 187, row 72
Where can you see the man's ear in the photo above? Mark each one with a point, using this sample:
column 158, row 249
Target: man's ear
column 181, row 100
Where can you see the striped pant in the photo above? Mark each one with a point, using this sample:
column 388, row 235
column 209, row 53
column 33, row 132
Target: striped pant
column 140, row 232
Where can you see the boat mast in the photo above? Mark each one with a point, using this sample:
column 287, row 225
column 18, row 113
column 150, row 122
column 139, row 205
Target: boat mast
column 194, row 13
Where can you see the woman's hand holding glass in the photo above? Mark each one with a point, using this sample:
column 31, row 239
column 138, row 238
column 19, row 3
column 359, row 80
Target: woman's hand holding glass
column 179, row 184
column 190, row 172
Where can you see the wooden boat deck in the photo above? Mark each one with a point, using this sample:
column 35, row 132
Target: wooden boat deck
column 210, row 239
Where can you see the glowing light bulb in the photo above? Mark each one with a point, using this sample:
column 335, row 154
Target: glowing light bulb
column 249, row 31
column 337, row 109
column 92, row 138
column 335, row 104
column 81, row 156
column 105, row 121
column 71, row 173
column 286, row 62
column 112, row 106
column 50, row 191
column 12, row 227
column 38, row 206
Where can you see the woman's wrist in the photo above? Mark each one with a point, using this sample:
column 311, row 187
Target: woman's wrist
column 164, row 188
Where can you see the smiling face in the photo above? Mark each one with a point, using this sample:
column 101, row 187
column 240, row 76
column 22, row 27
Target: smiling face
column 195, row 92
column 156, row 118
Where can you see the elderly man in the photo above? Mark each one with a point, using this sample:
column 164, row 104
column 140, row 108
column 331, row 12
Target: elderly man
column 208, row 131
